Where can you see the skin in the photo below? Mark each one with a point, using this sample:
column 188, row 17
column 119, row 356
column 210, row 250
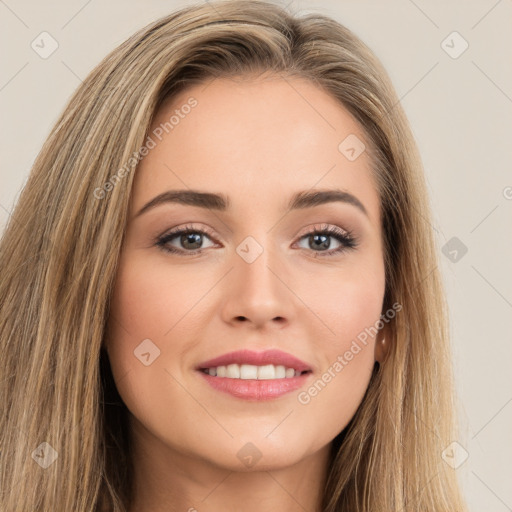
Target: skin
column 257, row 140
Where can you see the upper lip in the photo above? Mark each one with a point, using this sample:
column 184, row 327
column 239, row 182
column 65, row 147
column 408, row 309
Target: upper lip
column 275, row 357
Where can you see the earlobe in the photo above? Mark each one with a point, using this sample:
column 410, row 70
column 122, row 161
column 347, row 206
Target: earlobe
column 382, row 347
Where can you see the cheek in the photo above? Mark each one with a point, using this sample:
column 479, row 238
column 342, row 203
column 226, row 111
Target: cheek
column 146, row 312
column 151, row 311
column 150, row 302
column 351, row 306
column 348, row 302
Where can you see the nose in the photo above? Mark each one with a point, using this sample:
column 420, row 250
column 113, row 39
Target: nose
column 258, row 293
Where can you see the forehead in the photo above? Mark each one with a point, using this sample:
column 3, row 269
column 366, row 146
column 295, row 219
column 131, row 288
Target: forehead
column 258, row 140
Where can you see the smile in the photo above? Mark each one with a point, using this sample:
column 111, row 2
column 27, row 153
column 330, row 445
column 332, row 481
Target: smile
column 249, row 371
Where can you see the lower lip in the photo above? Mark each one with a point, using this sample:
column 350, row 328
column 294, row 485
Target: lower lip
column 256, row 390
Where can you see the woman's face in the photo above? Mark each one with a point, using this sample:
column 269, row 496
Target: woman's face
column 249, row 275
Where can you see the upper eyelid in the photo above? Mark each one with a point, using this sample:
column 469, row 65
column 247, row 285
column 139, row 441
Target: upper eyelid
column 324, row 226
column 316, row 227
column 179, row 230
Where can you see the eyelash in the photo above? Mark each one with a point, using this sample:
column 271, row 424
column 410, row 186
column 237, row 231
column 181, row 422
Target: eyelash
column 346, row 239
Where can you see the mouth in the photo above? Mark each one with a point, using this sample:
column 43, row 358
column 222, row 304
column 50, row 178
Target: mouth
column 255, row 376
column 253, row 372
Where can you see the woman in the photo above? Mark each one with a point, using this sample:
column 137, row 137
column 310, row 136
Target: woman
column 220, row 288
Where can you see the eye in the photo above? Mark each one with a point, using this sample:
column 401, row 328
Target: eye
column 190, row 238
column 320, row 239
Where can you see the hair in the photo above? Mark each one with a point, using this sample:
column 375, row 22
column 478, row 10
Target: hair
column 59, row 255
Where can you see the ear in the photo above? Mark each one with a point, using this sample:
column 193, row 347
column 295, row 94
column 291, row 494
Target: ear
column 382, row 344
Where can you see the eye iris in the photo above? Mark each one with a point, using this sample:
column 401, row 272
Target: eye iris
column 193, row 238
column 324, row 243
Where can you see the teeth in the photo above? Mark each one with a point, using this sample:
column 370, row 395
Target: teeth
column 249, row 371
column 233, row 371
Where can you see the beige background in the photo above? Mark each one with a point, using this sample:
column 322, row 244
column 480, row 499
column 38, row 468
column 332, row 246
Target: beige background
column 461, row 113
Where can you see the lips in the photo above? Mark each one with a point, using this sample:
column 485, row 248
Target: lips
column 275, row 357
column 240, row 379
column 256, row 390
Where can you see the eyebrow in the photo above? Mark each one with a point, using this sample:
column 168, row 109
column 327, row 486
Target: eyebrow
column 220, row 202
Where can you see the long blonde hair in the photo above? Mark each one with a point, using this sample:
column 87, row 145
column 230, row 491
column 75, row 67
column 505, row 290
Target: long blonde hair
column 60, row 250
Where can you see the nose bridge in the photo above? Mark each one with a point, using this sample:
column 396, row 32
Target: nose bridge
column 257, row 263
column 254, row 264
column 257, row 291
